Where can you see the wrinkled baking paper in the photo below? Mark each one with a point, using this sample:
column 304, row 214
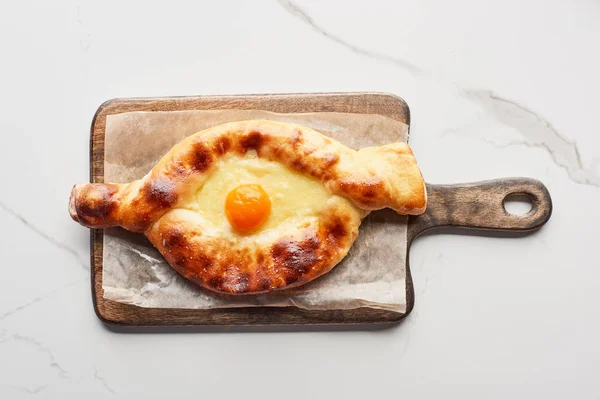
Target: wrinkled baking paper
column 134, row 272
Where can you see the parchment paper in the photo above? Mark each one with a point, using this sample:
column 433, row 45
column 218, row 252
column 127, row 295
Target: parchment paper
column 372, row 274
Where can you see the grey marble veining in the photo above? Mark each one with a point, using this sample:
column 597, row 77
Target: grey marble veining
column 303, row 16
column 537, row 132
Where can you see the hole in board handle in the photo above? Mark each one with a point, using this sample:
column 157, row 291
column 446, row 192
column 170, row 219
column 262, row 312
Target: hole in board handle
column 517, row 204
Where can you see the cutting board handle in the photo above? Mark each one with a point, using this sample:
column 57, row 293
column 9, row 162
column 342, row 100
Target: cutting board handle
column 480, row 205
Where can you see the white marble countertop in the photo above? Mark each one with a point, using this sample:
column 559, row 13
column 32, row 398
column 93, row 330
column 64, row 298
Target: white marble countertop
column 496, row 89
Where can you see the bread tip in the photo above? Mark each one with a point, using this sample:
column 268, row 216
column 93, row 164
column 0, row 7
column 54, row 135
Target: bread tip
column 72, row 208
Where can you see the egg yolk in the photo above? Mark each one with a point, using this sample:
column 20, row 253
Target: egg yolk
column 247, row 207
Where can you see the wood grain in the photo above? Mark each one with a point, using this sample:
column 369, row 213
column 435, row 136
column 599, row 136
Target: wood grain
column 474, row 206
column 480, row 205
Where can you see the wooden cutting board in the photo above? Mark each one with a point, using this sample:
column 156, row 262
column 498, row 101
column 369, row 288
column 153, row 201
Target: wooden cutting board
column 475, row 206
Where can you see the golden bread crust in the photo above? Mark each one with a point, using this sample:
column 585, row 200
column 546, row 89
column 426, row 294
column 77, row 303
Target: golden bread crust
column 298, row 254
column 371, row 178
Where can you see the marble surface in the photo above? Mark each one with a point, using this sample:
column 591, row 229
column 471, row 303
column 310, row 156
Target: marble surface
column 496, row 88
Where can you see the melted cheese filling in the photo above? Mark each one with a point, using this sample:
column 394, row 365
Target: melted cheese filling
column 294, row 197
